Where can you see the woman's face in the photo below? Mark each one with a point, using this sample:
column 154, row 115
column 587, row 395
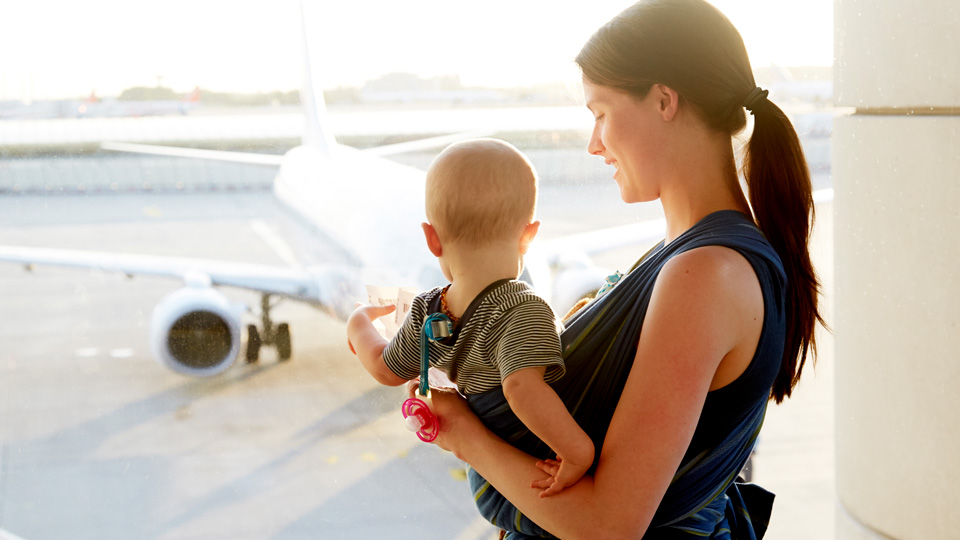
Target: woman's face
column 626, row 135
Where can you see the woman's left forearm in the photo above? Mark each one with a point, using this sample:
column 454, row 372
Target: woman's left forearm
column 569, row 514
column 580, row 511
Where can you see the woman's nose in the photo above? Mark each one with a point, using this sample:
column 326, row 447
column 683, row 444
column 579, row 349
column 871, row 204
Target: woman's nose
column 595, row 147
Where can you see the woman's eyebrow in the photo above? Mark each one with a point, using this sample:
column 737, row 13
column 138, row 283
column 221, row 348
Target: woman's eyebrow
column 594, row 102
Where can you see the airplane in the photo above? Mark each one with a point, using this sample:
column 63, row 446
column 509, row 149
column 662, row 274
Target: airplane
column 96, row 107
column 152, row 107
column 53, row 108
column 368, row 207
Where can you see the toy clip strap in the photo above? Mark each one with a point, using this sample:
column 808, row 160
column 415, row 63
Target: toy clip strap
column 436, row 327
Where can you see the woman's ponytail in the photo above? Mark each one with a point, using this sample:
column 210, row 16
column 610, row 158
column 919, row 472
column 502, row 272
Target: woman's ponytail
column 691, row 47
column 778, row 183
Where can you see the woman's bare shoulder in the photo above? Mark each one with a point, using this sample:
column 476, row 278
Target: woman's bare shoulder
column 712, row 295
column 715, row 271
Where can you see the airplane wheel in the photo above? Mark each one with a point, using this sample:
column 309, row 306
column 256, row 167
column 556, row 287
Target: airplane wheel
column 253, row 344
column 284, row 349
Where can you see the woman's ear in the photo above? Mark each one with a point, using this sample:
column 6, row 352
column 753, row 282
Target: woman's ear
column 668, row 101
column 433, row 239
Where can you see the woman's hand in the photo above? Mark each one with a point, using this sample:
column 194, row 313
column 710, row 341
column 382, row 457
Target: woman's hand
column 458, row 424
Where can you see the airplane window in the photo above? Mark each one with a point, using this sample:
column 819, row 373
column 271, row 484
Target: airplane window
column 174, row 255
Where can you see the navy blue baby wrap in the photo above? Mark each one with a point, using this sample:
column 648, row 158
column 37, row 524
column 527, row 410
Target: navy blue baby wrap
column 599, row 345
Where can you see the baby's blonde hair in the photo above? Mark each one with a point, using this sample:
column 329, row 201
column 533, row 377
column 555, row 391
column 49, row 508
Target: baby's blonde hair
column 480, row 191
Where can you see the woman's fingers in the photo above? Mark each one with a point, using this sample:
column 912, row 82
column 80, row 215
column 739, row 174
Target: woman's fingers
column 412, row 387
column 458, row 424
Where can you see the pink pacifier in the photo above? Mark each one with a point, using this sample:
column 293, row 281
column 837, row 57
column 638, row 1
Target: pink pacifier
column 419, row 418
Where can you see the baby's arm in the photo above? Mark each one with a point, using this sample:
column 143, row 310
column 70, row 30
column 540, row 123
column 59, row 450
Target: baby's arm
column 368, row 344
column 537, row 405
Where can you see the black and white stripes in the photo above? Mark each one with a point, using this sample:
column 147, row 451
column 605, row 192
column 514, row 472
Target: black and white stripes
column 507, row 327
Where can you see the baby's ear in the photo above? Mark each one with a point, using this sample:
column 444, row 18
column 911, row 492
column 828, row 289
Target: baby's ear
column 529, row 233
column 433, row 239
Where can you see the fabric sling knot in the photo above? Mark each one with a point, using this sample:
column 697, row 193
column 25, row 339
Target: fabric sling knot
column 704, row 500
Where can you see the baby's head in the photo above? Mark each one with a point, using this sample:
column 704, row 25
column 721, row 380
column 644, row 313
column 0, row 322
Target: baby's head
column 479, row 192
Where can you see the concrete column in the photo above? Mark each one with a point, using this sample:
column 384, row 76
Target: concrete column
column 897, row 295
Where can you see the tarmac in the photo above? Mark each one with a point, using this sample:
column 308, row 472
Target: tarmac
column 98, row 441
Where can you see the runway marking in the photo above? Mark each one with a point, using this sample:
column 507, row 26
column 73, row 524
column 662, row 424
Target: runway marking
column 152, row 211
column 183, row 412
column 368, row 456
column 276, row 243
column 87, row 352
column 121, row 353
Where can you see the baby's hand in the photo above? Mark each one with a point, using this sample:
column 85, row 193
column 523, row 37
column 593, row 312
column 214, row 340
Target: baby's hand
column 364, row 315
column 562, row 474
column 373, row 312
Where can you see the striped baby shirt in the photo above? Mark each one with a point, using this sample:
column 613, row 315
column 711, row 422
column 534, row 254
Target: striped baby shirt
column 507, row 327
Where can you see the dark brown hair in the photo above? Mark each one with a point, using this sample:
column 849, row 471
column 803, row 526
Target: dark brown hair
column 689, row 46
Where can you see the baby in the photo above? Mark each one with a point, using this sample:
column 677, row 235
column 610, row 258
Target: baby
column 480, row 203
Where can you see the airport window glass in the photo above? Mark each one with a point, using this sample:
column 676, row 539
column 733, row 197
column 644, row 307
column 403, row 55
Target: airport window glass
column 143, row 394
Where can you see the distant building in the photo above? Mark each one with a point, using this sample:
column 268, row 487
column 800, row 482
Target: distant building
column 410, row 88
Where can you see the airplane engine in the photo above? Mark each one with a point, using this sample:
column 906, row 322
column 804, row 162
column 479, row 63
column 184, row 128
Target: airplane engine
column 196, row 331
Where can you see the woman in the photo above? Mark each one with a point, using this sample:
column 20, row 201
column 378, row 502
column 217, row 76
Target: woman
column 673, row 367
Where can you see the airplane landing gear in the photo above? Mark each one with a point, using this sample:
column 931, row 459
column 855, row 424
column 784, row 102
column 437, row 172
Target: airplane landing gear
column 284, row 348
column 253, row 344
column 278, row 337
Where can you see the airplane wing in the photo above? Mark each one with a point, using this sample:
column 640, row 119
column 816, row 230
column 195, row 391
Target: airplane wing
column 276, row 159
column 198, row 153
column 274, row 280
column 196, row 330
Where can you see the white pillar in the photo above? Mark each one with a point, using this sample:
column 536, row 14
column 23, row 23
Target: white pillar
column 896, row 174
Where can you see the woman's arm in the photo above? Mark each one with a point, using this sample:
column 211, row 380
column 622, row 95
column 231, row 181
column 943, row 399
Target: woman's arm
column 542, row 411
column 695, row 317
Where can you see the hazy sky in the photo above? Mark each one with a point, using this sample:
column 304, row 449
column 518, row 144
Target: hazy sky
column 59, row 48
